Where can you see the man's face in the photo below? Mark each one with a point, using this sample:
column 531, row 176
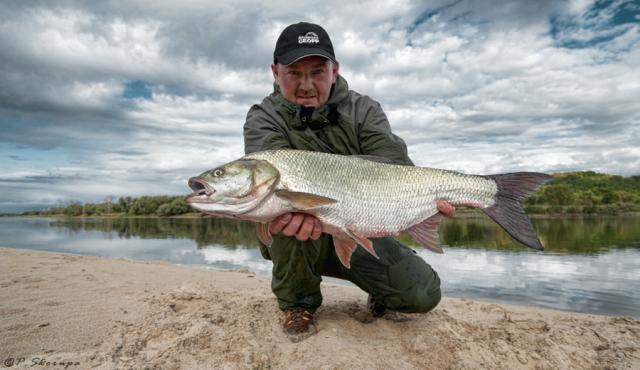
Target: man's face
column 306, row 82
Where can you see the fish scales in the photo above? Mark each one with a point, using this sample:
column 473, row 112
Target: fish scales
column 374, row 198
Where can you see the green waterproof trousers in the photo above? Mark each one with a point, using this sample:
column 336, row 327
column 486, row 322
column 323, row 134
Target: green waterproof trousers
column 399, row 279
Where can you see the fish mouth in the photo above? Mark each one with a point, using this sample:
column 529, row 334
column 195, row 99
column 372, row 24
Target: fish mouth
column 201, row 191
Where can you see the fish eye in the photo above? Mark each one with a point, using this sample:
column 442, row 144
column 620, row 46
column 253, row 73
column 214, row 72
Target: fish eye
column 218, row 172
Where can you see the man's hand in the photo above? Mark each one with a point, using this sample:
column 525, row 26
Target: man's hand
column 446, row 208
column 302, row 225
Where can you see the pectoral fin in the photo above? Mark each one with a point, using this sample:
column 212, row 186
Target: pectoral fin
column 344, row 250
column 264, row 235
column 426, row 233
column 304, row 201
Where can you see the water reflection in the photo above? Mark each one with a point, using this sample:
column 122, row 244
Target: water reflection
column 566, row 236
column 597, row 283
column 204, row 231
column 590, row 265
column 559, row 235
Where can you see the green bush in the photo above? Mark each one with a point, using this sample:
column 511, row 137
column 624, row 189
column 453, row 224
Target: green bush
column 560, row 194
column 555, row 209
column 176, row 207
column 535, row 209
column 147, row 205
column 573, row 209
column 125, row 204
column 73, row 209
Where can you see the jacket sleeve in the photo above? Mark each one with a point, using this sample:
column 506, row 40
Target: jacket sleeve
column 261, row 132
column 376, row 138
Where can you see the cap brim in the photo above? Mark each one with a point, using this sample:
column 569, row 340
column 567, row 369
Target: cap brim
column 295, row 55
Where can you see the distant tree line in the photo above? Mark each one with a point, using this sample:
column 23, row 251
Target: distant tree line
column 571, row 192
column 587, row 192
column 161, row 205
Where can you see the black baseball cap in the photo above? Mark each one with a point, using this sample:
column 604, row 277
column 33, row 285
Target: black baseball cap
column 302, row 40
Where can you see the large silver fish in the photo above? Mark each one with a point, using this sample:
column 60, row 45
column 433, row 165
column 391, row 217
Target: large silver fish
column 358, row 198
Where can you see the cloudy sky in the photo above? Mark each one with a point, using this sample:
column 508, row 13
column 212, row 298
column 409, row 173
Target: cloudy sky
column 134, row 97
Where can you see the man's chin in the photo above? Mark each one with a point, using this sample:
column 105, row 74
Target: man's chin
column 311, row 103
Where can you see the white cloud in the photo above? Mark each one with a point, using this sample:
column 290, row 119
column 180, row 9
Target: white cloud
column 476, row 88
column 578, row 7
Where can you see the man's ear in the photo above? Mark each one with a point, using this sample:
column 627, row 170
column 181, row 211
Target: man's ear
column 334, row 71
column 274, row 71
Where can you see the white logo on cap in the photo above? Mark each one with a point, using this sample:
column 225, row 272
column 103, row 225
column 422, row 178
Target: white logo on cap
column 309, row 38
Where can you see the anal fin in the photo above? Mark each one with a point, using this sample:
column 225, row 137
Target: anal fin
column 344, row 250
column 426, row 233
column 363, row 241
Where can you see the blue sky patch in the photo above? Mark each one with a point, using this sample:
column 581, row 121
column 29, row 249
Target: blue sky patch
column 428, row 14
column 603, row 22
column 137, row 89
column 38, row 158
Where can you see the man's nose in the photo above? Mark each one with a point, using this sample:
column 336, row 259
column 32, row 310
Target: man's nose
column 305, row 82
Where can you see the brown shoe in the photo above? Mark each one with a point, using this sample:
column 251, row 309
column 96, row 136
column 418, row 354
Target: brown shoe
column 298, row 324
column 376, row 309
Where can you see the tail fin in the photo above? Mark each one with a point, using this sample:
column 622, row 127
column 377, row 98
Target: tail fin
column 508, row 213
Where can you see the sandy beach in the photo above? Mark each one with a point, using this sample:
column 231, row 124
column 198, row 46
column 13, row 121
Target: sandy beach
column 77, row 312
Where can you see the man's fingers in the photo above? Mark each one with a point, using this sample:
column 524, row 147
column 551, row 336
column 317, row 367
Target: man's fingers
column 306, row 228
column 446, row 208
column 302, row 225
column 294, row 225
column 279, row 223
column 317, row 229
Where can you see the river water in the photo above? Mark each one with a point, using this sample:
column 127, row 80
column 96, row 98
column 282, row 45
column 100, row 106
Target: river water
column 590, row 265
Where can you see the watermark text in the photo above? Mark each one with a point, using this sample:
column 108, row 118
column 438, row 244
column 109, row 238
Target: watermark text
column 38, row 362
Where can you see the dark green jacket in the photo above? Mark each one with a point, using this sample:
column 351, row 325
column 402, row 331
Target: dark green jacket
column 349, row 123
